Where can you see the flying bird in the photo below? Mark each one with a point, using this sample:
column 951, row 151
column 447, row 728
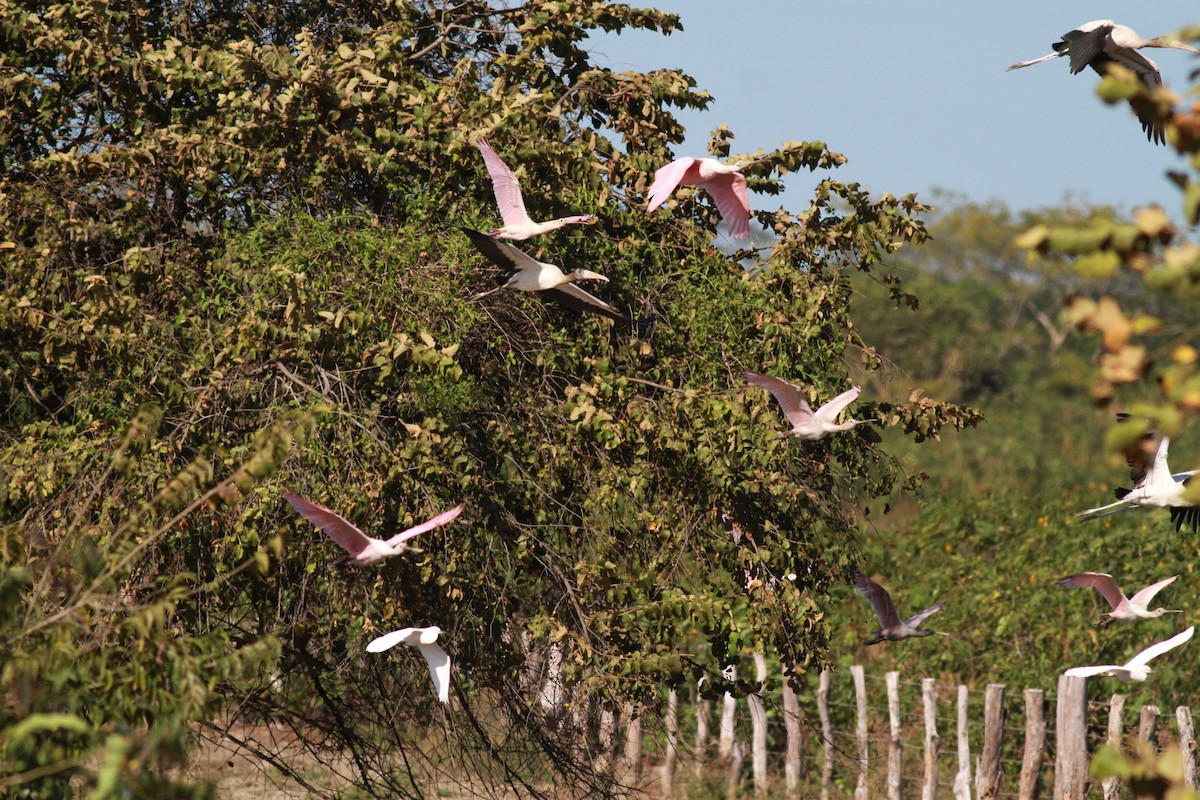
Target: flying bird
column 724, row 182
column 362, row 549
column 536, row 276
column 891, row 628
column 1137, row 668
column 517, row 224
column 1125, row 609
column 1101, row 42
column 807, row 424
column 1153, row 485
column 425, row 640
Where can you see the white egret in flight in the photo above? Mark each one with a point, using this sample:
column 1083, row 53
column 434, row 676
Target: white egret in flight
column 362, row 549
column 1125, row 609
column 807, row 424
column 517, row 224
column 891, row 627
column 425, row 640
column 724, row 183
column 1101, row 42
column 1138, row 667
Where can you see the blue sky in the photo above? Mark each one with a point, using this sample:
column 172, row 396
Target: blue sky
column 916, row 95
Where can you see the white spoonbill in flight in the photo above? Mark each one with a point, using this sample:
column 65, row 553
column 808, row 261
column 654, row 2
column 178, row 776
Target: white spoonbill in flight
column 517, row 224
column 1138, row 667
column 1125, row 609
column 806, row 423
column 1153, row 487
column 362, row 549
column 891, row 627
column 1101, row 42
column 425, row 640
column 536, row 276
column 724, row 182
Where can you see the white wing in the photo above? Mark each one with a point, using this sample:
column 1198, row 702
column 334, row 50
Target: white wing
column 389, row 640
column 830, row 410
column 1146, row 595
column 1087, row 672
column 1156, row 650
column 439, row 669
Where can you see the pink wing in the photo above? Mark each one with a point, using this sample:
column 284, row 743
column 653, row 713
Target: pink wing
column 335, row 526
column 505, row 186
column 830, row 410
column 1102, row 582
column 1146, row 595
column 427, row 525
column 667, row 179
column 733, row 201
column 794, row 406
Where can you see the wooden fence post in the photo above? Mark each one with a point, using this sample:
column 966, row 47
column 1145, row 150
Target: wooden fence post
column 962, row 780
column 728, row 709
column 826, row 732
column 552, row 693
column 631, row 763
column 860, row 694
column 1035, row 742
column 758, row 723
column 892, row 680
column 735, row 769
column 671, row 723
column 1116, row 707
column 605, row 735
column 1071, row 763
column 932, row 741
column 703, row 712
column 1187, row 744
column 987, row 780
column 791, row 724
column 1148, row 724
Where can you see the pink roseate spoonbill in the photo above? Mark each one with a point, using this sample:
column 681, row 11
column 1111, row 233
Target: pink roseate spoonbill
column 425, row 640
column 806, row 423
column 724, row 182
column 536, row 276
column 890, row 626
column 1153, row 486
column 362, row 549
column 1138, row 667
column 1125, row 609
column 1101, row 42
column 517, row 224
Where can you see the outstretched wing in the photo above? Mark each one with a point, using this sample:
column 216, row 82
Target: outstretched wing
column 389, row 640
column 505, row 186
column 1102, row 582
column 573, row 297
column 881, row 601
column 439, row 669
column 1146, row 595
column 794, row 406
column 334, row 525
column 830, row 410
column 728, row 192
column 427, row 525
column 1156, row 650
column 502, row 254
column 667, row 180
column 917, row 619
column 1104, row 511
column 1087, row 672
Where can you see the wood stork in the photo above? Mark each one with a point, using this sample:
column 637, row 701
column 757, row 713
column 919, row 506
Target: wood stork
column 1101, row 42
column 807, row 424
column 517, row 224
column 425, row 640
column 532, row 275
column 1138, row 667
column 891, row 627
column 362, row 549
column 1153, row 486
column 724, row 182
column 1125, row 609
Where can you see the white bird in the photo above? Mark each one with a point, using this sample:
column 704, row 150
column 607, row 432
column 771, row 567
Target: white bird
column 1101, row 42
column 807, row 424
column 1125, row 609
column 517, row 224
column 425, row 640
column 1137, row 668
column 363, row 550
column 891, row 628
column 1154, row 486
column 536, row 276
column 724, row 182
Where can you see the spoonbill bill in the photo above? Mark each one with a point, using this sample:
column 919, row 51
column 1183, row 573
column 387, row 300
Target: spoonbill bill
column 1125, row 609
column 807, row 424
column 517, row 224
column 425, row 640
column 1101, row 42
column 1138, row 667
column 536, row 276
column 891, row 628
column 362, row 549
column 1153, row 487
column 724, row 182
